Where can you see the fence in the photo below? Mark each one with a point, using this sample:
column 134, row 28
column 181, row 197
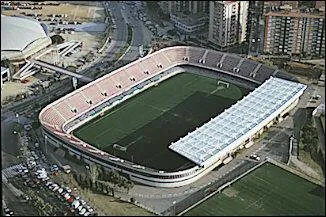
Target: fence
column 188, row 202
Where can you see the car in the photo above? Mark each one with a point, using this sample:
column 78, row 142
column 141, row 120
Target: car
column 60, row 190
column 87, row 213
column 81, row 212
column 27, row 127
column 45, row 179
column 254, row 157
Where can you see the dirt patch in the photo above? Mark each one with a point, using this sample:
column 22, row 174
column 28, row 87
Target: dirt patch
column 230, row 192
column 81, row 13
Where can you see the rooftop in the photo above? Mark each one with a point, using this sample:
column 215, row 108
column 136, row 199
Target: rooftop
column 231, row 128
column 296, row 13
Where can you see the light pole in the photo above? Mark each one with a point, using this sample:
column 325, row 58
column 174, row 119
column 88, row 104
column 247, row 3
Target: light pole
column 174, row 202
column 45, row 141
column 17, row 116
column 290, row 149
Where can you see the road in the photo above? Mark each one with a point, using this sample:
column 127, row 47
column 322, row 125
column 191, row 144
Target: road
column 141, row 34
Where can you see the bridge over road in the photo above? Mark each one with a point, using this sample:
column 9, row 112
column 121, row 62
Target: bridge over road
column 61, row 70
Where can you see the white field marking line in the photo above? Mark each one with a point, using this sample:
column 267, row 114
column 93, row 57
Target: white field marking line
column 188, row 83
column 133, row 142
column 154, row 107
column 260, row 198
column 107, row 145
column 105, row 116
column 263, row 180
column 103, row 132
column 214, row 91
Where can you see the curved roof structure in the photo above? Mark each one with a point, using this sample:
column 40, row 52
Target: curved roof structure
column 17, row 33
column 231, row 128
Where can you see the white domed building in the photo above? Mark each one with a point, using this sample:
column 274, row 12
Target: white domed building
column 22, row 37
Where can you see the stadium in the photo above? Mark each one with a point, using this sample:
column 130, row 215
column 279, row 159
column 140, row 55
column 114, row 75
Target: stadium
column 22, row 37
column 148, row 119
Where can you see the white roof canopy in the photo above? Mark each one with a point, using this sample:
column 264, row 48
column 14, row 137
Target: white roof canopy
column 236, row 124
column 17, row 32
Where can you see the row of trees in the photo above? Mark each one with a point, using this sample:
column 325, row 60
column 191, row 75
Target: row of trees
column 103, row 181
column 45, row 209
column 96, row 172
column 309, row 137
column 96, row 186
column 310, row 143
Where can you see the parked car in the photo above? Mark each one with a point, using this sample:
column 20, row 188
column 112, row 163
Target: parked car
column 254, row 157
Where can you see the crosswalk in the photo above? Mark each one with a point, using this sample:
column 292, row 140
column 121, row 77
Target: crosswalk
column 12, row 170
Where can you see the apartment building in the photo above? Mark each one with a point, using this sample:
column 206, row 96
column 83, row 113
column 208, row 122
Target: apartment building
column 169, row 7
column 295, row 33
column 274, row 5
column 227, row 22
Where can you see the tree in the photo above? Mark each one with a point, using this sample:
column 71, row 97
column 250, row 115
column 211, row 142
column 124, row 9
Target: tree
column 57, row 39
column 94, row 172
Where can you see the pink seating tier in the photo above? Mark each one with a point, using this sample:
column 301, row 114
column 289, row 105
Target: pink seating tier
column 161, row 59
column 176, row 55
column 51, row 117
column 64, row 110
column 94, row 94
column 136, row 72
column 123, row 79
column 109, row 86
column 78, row 102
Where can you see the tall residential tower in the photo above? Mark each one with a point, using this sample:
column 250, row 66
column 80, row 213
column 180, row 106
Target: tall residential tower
column 227, row 22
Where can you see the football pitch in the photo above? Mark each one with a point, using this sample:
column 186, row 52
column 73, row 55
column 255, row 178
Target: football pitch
column 146, row 124
column 268, row 190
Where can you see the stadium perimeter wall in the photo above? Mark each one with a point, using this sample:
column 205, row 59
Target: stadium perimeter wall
column 190, row 175
column 149, row 176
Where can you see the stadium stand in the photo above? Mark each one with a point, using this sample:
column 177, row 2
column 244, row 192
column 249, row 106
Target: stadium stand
column 91, row 100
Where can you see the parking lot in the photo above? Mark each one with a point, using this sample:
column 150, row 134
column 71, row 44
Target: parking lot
column 39, row 181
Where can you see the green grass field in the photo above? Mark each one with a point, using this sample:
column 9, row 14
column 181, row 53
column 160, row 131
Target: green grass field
column 268, row 190
column 147, row 123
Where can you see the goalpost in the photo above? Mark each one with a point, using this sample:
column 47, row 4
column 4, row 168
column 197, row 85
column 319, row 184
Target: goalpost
column 223, row 83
